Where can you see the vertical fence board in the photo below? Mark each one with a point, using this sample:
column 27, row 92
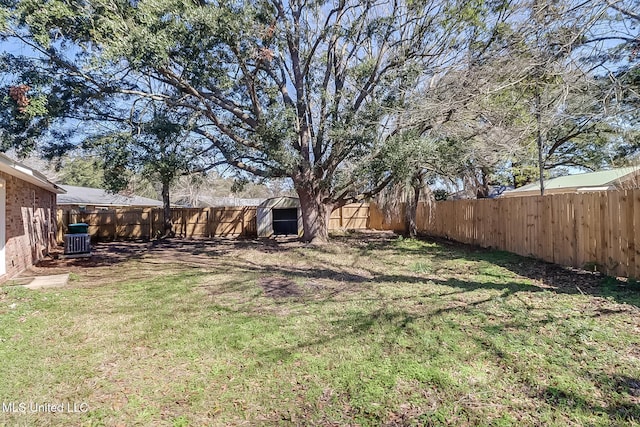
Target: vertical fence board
column 636, row 232
column 585, row 224
column 501, row 243
column 550, row 240
column 594, row 229
column 506, row 213
column 579, row 231
column 539, row 250
column 603, row 233
column 631, row 236
column 625, row 233
column 613, row 232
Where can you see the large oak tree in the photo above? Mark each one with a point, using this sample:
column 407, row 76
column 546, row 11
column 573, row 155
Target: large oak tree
column 300, row 89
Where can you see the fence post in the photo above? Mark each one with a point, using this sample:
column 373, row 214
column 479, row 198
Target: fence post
column 148, row 212
column 154, row 223
column 207, row 229
column 242, row 229
column 60, row 226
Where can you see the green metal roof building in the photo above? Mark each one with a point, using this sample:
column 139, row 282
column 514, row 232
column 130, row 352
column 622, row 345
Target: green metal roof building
column 628, row 177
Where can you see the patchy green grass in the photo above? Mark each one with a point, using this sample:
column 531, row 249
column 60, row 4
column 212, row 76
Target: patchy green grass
column 367, row 330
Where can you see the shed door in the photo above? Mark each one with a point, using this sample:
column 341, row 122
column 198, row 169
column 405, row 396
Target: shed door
column 285, row 221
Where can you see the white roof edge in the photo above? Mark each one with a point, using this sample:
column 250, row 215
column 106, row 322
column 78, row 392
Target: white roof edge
column 601, row 188
column 25, row 173
column 108, row 204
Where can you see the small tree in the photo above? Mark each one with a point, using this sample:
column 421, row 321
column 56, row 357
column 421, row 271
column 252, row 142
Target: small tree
column 158, row 146
column 82, row 171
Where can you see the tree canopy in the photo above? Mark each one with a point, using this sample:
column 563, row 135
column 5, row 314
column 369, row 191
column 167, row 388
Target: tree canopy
column 305, row 90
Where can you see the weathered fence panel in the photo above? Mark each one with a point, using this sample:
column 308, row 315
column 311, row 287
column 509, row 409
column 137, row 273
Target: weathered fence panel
column 379, row 221
column 352, row 216
column 594, row 230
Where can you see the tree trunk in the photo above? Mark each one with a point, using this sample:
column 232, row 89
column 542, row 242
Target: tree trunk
column 539, row 140
column 167, row 223
column 315, row 216
column 412, row 211
column 483, row 186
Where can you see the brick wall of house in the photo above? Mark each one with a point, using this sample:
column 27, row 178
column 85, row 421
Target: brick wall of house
column 30, row 224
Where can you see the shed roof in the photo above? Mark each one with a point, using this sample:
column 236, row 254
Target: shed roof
column 583, row 180
column 99, row 197
column 280, row 202
column 25, row 173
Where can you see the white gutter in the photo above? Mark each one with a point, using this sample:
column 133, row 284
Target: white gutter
column 587, row 189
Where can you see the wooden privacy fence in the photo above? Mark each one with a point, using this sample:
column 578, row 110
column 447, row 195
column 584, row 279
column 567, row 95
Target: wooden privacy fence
column 353, row 216
column 593, row 230
column 146, row 223
column 379, row 221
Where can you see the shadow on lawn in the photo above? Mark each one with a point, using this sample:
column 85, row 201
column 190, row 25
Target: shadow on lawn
column 546, row 276
column 549, row 278
column 620, row 393
column 617, row 387
column 299, row 286
column 102, row 255
column 564, row 280
column 377, row 244
column 622, row 411
column 112, row 253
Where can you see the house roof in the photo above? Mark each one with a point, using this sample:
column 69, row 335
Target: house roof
column 96, row 196
column 207, row 201
column 590, row 180
column 25, row 173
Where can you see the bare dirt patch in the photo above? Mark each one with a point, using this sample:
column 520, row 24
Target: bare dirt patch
column 279, row 287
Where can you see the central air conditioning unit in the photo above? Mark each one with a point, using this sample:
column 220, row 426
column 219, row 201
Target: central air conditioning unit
column 77, row 244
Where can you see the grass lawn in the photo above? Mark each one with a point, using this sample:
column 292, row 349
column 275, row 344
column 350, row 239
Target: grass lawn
column 367, row 331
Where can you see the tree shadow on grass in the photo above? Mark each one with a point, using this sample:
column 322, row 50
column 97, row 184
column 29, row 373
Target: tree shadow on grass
column 545, row 276
column 195, row 252
column 388, row 320
column 624, row 407
column 552, row 277
column 382, row 326
column 105, row 254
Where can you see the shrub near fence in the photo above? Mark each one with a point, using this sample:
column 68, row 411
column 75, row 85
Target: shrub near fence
column 132, row 223
column 593, row 230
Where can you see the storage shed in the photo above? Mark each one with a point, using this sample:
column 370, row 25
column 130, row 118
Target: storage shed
column 279, row 216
